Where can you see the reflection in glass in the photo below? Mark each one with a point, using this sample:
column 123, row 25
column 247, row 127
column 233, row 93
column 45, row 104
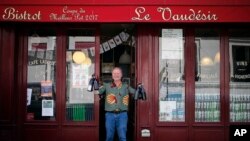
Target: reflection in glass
column 80, row 67
column 171, row 76
column 239, row 49
column 41, row 75
column 207, row 76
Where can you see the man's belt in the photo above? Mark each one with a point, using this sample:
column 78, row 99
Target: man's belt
column 117, row 111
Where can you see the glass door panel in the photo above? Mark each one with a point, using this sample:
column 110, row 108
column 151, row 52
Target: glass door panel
column 80, row 66
column 207, row 75
column 41, row 80
column 239, row 50
column 171, row 76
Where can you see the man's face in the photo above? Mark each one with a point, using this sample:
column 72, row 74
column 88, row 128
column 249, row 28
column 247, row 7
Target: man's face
column 116, row 74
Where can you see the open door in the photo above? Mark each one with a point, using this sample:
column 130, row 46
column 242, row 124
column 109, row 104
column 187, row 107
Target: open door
column 117, row 49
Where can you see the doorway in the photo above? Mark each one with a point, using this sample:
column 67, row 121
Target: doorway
column 118, row 49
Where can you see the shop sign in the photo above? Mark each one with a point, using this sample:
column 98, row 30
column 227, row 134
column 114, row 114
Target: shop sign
column 125, row 13
column 167, row 14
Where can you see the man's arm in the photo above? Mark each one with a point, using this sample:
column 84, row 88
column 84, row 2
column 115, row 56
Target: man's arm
column 102, row 89
column 131, row 90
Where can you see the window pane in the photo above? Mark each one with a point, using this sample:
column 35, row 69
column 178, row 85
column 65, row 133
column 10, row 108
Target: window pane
column 80, row 59
column 207, row 77
column 239, row 48
column 41, row 81
column 171, row 74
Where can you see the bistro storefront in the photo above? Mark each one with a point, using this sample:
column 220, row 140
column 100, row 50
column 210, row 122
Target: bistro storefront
column 192, row 57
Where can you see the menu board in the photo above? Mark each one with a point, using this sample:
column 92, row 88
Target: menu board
column 172, row 44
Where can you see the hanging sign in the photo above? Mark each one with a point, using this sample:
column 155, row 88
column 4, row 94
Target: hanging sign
column 124, row 13
column 115, row 41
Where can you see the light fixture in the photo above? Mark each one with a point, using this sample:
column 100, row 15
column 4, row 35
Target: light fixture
column 79, row 57
column 125, row 58
column 107, row 67
column 206, row 61
column 87, row 61
column 217, row 57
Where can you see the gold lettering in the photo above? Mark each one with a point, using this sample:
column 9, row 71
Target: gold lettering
column 74, row 14
column 140, row 14
column 11, row 13
column 91, row 17
column 167, row 15
column 64, row 17
column 69, row 11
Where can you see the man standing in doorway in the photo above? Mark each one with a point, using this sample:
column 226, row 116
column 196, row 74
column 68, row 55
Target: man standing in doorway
column 116, row 105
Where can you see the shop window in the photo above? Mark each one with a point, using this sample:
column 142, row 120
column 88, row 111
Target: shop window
column 239, row 51
column 41, row 80
column 207, row 75
column 80, row 66
column 171, row 76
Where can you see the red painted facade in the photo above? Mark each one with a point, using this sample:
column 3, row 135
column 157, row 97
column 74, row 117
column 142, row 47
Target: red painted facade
column 16, row 16
column 129, row 11
column 164, row 14
column 127, row 2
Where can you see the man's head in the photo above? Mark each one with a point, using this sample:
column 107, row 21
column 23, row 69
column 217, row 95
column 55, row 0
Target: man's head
column 117, row 74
